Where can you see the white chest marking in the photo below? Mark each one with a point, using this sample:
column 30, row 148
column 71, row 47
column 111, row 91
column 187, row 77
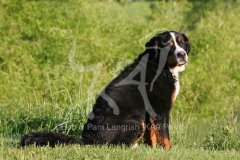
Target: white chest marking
column 176, row 84
column 177, row 89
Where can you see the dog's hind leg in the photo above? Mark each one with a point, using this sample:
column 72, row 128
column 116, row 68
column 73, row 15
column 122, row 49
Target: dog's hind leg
column 142, row 131
column 127, row 133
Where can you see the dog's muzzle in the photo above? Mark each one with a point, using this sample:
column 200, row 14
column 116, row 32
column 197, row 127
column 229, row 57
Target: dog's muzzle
column 182, row 57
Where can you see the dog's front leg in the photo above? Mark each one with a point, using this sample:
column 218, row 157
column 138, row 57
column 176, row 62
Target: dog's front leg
column 160, row 125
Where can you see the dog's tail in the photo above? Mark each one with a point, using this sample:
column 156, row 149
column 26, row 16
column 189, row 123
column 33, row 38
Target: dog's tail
column 51, row 139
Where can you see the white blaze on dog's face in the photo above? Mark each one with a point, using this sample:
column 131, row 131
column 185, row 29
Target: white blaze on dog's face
column 179, row 52
column 177, row 57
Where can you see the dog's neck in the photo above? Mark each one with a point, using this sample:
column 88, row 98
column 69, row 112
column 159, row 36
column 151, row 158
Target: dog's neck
column 153, row 65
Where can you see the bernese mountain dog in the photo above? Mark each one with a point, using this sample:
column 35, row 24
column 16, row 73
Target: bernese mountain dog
column 137, row 103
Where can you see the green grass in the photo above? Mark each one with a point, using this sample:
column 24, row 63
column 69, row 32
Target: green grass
column 42, row 88
column 95, row 152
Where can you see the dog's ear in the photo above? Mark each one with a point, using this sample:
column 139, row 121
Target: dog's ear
column 153, row 43
column 152, row 47
column 187, row 44
column 159, row 40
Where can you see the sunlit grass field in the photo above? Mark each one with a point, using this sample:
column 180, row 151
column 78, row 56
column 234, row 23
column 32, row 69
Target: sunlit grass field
column 44, row 45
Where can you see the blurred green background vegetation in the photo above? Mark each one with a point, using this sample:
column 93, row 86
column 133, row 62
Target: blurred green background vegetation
column 40, row 90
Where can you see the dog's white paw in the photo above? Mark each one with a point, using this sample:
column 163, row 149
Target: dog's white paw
column 135, row 145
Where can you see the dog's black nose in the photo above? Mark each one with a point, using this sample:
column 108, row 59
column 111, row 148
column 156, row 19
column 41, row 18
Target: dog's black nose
column 181, row 54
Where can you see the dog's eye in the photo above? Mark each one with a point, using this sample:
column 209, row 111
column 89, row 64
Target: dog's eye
column 180, row 43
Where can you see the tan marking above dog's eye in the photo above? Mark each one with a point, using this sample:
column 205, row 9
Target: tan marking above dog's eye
column 170, row 42
column 179, row 39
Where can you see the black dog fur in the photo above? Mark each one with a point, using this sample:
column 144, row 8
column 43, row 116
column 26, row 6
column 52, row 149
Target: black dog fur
column 137, row 122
